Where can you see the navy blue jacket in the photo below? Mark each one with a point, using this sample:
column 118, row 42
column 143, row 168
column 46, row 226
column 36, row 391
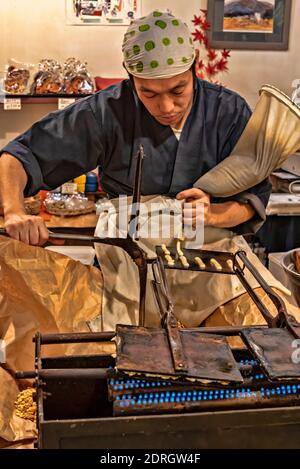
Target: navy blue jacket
column 107, row 128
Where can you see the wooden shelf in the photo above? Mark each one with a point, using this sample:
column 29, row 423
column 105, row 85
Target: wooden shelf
column 43, row 99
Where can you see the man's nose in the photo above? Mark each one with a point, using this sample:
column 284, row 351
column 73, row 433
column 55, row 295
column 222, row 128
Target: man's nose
column 166, row 104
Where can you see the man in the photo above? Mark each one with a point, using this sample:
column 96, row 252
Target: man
column 187, row 126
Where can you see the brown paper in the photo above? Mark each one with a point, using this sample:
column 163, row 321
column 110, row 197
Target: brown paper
column 12, row 428
column 41, row 291
column 242, row 311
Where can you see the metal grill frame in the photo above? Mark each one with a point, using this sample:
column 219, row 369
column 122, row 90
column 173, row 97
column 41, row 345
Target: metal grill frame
column 243, row 429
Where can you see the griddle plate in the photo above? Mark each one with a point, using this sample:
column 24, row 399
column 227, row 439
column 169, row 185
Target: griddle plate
column 275, row 351
column 146, row 351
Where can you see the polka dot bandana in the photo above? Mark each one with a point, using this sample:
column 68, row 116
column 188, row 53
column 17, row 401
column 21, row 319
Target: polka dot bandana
column 158, row 46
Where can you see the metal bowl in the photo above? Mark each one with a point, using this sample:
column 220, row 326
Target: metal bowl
column 293, row 277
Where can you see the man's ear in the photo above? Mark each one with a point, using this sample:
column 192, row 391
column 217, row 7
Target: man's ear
column 129, row 74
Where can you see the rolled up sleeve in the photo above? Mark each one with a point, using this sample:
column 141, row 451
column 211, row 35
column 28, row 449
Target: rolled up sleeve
column 258, row 197
column 61, row 146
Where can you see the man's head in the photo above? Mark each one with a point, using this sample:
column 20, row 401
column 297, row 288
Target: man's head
column 159, row 53
column 167, row 99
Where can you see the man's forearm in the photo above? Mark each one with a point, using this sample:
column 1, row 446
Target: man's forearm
column 229, row 214
column 13, row 180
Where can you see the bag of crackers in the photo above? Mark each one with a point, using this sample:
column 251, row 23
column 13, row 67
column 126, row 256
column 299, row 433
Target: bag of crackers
column 17, row 77
column 77, row 79
column 48, row 79
column 65, row 205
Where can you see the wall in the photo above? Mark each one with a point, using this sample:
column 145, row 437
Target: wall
column 36, row 29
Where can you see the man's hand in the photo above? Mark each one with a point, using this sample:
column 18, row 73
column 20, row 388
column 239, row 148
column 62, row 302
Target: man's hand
column 194, row 197
column 222, row 215
column 27, row 228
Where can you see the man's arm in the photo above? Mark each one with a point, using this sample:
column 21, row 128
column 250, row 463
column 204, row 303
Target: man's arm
column 223, row 215
column 26, row 228
column 59, row 147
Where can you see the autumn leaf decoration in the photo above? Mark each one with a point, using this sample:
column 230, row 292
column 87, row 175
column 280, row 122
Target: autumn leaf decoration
column 210, row 62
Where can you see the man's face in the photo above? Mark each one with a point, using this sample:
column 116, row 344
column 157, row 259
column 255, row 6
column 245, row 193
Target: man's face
column 167, row 99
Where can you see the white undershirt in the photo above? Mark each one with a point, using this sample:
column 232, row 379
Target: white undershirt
column 177, row 133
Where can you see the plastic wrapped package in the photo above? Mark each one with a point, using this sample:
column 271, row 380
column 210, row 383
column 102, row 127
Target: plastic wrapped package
column 32, row 205
column 68, row 205
column 48, row 79
column 16, row 77
column 77, row 79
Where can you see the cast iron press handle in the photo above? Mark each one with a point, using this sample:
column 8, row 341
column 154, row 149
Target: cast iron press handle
column 168, row 319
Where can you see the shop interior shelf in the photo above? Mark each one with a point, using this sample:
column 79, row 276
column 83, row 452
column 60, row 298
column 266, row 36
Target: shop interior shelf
column 43, row 99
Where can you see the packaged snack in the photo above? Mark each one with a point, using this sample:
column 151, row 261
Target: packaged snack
column 77, row 79
column 16, row 77
column 68, row 205
column 48, row 79
column 33, row 205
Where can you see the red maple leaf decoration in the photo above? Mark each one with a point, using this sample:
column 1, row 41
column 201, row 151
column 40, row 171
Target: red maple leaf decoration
column 222, row 65
column 205, row 25
column 212, row 54
column 197, row 20
column 211, row 69
column 211, row 62
column 226, row 53
column 198, row 36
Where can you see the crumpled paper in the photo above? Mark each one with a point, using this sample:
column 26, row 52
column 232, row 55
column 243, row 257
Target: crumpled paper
column 12, row 428
column 242, row 311
column 41, row 291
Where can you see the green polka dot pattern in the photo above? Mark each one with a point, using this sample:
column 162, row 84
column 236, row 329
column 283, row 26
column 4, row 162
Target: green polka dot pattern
column 144, row 28
column 149, row 45
column 158, row 46
column 161, row 24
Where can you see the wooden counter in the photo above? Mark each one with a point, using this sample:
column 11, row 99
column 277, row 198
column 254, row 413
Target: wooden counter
column 79, row 221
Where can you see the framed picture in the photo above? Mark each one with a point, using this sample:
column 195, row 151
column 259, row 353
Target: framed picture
column 249, row 24
column 102, row 12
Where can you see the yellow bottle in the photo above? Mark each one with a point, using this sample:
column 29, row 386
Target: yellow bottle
column 80, row 181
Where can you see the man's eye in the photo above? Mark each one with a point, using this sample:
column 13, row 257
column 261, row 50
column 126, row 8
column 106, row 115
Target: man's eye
column 149, row 95
column 178, row 92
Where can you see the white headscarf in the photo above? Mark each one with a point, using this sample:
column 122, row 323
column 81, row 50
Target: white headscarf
column 158, row 46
